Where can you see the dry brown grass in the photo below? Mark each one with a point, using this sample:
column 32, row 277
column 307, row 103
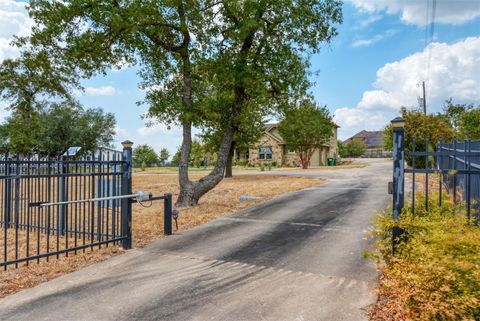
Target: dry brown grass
column 322, row 168
column 148, row 221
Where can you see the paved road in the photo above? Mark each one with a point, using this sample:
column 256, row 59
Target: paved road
column 298, row 257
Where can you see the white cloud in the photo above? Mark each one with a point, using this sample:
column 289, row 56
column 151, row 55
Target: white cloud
column 370, row 19
column 100, row 91
column 14, row 20
column 454, row 72
column 121, row 132
column 367, row 42
column 414, row 11
column 160, row 136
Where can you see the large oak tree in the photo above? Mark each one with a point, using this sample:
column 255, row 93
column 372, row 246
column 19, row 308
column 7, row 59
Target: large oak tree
column 256, row 49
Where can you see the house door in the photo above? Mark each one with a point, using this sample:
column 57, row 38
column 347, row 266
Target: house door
column 315, row 160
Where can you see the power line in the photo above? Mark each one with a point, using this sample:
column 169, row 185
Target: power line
column 429, row 35
column 432, row 34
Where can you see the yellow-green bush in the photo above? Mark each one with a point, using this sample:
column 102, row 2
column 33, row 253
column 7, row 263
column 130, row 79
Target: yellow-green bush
column 435, row 274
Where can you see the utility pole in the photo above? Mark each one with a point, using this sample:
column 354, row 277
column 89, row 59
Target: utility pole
column 424, row 99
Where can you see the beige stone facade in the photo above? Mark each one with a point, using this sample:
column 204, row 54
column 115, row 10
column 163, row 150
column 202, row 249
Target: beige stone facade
column 271, row 149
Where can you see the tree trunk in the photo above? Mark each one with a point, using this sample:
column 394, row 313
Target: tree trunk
column 228, row 168
column 305, row 157
column 190, row 192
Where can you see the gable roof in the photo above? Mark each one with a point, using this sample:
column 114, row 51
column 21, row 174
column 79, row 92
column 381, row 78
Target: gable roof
column 269, row 131
column 373, row 139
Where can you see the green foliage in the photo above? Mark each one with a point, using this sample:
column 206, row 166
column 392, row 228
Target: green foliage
column 143, row 166
column 469, row 125
column 217, row 65
column 355, row 148
column 57, row 127
column 464, row 118
column 144, row 156
column 26, row 83
column 163, row 156
column 435, row 275
column 200, row 156
column 418, row 129
column 176, row 158
column 306, row 127
column 453, row 112
column 341, row 149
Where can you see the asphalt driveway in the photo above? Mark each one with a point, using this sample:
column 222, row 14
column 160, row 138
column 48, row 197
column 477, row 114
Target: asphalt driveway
column 297, row 257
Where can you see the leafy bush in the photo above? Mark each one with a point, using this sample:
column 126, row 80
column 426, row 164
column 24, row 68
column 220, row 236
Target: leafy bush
column 435, row 274
column 243, row 163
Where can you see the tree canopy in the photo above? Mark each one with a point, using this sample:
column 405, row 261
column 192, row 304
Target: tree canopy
column 201, row 62
column 53, row 129
column 420, row 129
column 163, row 156
column 306, row 127
column 144, row 155
column 355, row 148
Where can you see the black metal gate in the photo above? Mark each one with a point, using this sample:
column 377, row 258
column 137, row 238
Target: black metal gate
column 457, row 165
column 34, row 232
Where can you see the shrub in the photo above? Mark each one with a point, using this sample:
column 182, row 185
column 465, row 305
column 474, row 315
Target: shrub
column 143, row 166
column 435, row 274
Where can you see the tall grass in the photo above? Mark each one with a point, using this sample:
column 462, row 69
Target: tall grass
column 435, row 274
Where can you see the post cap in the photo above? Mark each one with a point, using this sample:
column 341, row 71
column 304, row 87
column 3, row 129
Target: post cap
column 127, row 144
column 398, row 122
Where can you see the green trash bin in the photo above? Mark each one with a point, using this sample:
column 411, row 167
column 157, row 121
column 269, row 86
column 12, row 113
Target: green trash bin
column 331, row 162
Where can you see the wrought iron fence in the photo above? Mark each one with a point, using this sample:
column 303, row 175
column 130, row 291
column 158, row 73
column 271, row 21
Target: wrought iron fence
column 30, row 233
column 456, row 164
column 462, row 159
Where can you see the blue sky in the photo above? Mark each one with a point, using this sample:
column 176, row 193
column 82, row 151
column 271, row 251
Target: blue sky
column 369, row 70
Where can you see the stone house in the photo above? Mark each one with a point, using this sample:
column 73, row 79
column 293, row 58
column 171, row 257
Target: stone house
column 272, row 149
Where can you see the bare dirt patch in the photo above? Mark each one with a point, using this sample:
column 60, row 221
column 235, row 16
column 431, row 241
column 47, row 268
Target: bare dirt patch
column 148, row 221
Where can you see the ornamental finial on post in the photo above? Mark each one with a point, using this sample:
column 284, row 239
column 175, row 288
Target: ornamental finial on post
column 127, row 144
column 398, row 122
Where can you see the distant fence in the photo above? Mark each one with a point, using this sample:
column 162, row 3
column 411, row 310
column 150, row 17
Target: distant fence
column 374, row 153
column 33, row 232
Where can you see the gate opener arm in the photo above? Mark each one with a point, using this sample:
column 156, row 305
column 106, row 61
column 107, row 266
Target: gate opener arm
column 137, row 197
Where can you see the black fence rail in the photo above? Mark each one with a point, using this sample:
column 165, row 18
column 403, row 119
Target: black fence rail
column 462, row 157
column 456, row 166
column 30, row 230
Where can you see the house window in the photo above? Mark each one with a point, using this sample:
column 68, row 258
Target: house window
column 265, row 153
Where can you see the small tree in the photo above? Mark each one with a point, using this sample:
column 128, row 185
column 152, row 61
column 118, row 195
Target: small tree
column 469, row 124
column 341, row 148
column 144, row 154
column 419, row 129
column 453, row 112
column 305, row 128
column 355, row 148
column 163, row 156
column 176, row 158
